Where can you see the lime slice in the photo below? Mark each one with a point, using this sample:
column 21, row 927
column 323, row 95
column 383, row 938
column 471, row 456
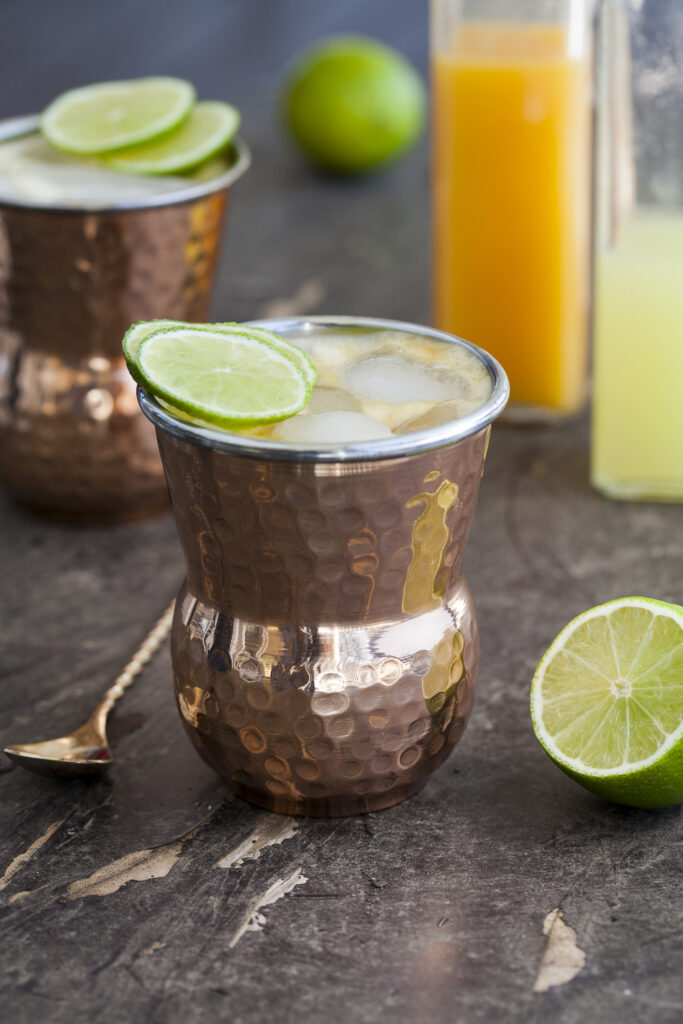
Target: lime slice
column 136, row 334
column 111, row 115
column 607, row 701
column 227, row 379
column 208, row 129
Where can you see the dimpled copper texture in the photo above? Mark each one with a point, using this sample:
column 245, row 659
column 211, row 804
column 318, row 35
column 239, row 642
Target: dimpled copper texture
column 325, row 643
column 72, row 439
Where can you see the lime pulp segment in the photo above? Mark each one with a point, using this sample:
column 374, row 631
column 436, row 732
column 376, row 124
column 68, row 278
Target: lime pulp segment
column 227, row 379
column 288, row 348
column 100, row 118
column 206, row 131
column 607, row 701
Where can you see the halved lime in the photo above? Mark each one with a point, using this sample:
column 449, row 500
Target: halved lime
column 136, row 334
column 224, row 378
column 607, row 701
column 206, row 131
column 108, row 116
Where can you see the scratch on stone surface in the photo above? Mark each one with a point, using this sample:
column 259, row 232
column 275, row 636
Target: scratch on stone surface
column 138, row 866
column 305, row 299
column 154, row 948
column 562, row 959
column 23, row 858
column 271, row 830
column 20, row 895
column 254, row 920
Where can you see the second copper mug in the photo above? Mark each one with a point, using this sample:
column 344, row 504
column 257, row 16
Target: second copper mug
column 73, row 442
column 325, row 643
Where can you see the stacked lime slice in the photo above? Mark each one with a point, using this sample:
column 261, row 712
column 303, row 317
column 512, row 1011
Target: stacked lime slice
column 205, row 132
column 225, row 375
column 607, row 701
column 143, row 126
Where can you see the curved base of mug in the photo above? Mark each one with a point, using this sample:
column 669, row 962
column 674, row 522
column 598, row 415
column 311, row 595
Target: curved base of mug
column 325, row 721
column 328, row 807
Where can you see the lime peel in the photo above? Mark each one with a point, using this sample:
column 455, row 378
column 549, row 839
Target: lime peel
column 626, row 697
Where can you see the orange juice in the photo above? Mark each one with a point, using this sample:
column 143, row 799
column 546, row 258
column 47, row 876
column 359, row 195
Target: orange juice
column 512, row 205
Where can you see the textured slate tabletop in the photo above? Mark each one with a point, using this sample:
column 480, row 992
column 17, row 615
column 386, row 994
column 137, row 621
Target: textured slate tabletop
column 153, row 895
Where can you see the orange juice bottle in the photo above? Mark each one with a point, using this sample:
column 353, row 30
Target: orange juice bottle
column 511, row 191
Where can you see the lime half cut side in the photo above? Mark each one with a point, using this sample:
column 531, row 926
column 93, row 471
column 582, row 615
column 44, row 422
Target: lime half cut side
column 607, row 701
column 111, row 115
column 136, row 334
column 207, row 130
column 223, row 378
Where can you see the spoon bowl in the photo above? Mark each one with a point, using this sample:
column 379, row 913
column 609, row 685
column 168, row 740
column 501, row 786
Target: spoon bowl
column 86, row 750
column 83, row 752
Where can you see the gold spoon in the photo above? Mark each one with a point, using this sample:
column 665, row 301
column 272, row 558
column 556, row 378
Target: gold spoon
column 86, row 751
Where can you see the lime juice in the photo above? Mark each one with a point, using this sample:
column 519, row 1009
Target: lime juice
column 637, row 444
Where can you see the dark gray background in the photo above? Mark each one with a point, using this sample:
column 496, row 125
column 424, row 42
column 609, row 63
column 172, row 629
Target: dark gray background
column 431, row 911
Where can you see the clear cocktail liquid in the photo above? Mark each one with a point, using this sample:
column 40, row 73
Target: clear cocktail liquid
column 374, row 384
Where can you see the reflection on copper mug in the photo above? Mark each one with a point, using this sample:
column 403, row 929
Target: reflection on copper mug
column 72, row 439
column 325, row 642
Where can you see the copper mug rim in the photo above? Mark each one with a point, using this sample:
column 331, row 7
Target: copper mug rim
column 359, row 451
column 15, row 127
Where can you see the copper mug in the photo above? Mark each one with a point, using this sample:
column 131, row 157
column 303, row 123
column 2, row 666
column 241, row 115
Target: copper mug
column 325, row 643
column 72, row 439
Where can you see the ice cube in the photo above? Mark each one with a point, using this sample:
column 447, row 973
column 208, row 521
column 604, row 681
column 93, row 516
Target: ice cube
column 438, row 415
column 330, row 399
column 396, row 379
column 330, row 428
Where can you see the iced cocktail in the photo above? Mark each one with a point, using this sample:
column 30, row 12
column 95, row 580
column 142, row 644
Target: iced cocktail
column 83, row 252
column 325, row 644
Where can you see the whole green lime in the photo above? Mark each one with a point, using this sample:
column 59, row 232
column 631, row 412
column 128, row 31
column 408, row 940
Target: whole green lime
column 353, row 104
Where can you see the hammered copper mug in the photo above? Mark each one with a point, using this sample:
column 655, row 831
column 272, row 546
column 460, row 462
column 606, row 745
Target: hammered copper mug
column 73, row 442
column 325, row 642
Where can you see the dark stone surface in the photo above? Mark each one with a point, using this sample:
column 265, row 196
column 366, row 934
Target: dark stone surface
column 432, row 910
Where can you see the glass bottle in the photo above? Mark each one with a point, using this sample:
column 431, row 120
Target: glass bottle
column 512, row 116
column 637, row 434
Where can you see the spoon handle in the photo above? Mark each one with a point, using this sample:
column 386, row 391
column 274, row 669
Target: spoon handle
column 149, row 645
